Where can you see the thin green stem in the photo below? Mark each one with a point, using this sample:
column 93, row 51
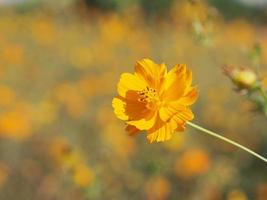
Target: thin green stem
column 257, row 68
column 263, row 94
column 227, row 140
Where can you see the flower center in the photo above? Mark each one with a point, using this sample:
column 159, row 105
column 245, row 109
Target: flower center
column 148, row 95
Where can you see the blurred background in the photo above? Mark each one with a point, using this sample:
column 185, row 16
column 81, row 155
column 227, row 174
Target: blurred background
column 59, row 65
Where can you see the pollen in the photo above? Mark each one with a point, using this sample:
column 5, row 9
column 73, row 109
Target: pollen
column 148, row 95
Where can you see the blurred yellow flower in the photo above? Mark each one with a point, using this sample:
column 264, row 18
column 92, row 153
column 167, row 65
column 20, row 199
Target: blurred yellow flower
column 83, row 175
column 43, row 31
column 155, row 101
column 64, row 154
column 72, row 160
column 176, row 143
column 60, row 149
column 237, row 194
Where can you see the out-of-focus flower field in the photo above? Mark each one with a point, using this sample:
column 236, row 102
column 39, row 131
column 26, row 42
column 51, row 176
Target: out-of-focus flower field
column 59, row 66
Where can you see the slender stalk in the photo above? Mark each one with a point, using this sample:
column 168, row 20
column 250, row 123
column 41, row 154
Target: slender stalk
column 263, row 94
column 227, row 140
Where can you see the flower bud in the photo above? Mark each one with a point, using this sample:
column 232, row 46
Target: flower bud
column 243, row 78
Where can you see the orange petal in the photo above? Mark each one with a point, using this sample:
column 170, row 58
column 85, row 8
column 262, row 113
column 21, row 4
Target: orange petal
column 166, row 112
column 177, row 70
column 144, row 123
column 162, row 131
column 190, row 97
column 152, row 73
column 134, row 108
column 129, row 82
column 177, row 81
column 180, row 127
column 183, row 116
column 132, row 130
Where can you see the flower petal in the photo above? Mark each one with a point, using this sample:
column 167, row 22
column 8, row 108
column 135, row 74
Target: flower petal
column 132, row 130
column 183, row 116
column 144, row 123
column 190, row 97
column 119, row 108
column 152, row 73
column 180, row 127
column 179, row 69
column 134, row 108
column 161, row 131
column 177, row 82
column 166, row 112
column 129, row 82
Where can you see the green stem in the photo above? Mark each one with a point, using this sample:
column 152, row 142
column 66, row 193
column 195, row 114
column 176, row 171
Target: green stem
column 263, row 94
column 227, row 140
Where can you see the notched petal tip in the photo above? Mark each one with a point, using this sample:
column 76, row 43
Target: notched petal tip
column 190, row 97
column 145, row 60
column 119, row 108
column 179, row 68
column 151, row 138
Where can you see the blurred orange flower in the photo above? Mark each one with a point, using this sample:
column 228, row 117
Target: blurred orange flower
column 4, row 173
column 155, row 101
column 7, row 96
column 157, row 188
column 13, row 54
column 262, row 191
column 17, row 123
column 193, row 162
column 60, row 149
column 264, row 83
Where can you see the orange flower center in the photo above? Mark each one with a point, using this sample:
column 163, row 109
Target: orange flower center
column 149, row 96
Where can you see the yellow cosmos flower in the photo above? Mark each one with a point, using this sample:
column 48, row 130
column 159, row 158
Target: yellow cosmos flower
column 157, row 101
column 154, row 100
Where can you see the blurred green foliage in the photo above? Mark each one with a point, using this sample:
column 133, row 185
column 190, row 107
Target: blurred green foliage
column 104, row 4
column 150, row 7
column 234, row 9
column 156, row 7
column 229, row 8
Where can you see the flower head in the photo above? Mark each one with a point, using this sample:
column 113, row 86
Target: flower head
column 154, row 100
column 243, row 78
